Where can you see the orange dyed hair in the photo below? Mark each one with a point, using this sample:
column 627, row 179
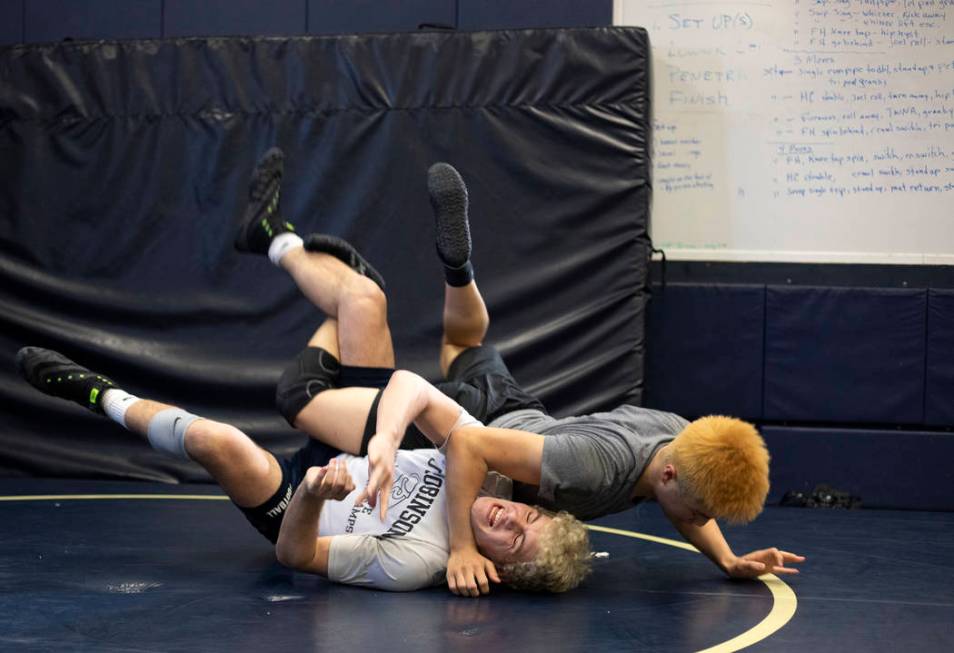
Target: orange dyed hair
column 723, row 462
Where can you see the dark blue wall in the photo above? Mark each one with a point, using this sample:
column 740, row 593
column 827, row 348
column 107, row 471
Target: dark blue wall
column 32, row 21
column 804, row 354
column 852, row 386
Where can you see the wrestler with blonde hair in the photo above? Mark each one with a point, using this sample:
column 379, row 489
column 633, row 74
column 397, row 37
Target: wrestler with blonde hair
column 589, row 466
column 310, row 505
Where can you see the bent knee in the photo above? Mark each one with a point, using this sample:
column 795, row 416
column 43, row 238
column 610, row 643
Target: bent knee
column 363, row 299
column 449, row 353
column 207, row 440
column 313, row 371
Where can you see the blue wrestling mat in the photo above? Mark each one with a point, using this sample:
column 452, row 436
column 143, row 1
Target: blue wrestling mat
column 106, row 566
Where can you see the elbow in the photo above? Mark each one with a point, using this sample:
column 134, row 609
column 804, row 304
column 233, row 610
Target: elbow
column 462, row 444
column 291, row 557
column 284, row 556
column 405, row 377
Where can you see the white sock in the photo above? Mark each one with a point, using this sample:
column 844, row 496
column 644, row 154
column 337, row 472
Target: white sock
column 282, row 244
column 115, row 403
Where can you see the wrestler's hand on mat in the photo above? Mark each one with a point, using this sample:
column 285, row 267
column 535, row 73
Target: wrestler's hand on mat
column 765, row 561
column 332, row 482
column 469, row 573
column 381, row 453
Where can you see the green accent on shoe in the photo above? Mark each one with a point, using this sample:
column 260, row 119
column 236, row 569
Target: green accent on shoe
column 261, row 220
column 54, row 374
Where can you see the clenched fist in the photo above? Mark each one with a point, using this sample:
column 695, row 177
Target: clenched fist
column 331, row 482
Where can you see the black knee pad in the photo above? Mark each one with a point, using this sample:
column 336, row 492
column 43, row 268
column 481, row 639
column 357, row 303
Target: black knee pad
column 314, row 370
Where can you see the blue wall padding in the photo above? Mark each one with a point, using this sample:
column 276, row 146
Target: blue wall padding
column 704, row 350
column 845, row 354
column 229, row 17
column 344, row 16
column 887, row 469
column 127, row 165
column 492, row 14
column 54, row 20
column 11, row 21
column 939, row 403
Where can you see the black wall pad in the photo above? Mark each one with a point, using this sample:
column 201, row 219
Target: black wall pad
column 848, row 355
column 938, row 407
column 124, row 165
column 870, row 463
column 706, row 350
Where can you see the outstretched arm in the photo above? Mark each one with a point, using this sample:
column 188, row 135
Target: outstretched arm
column 710, row 541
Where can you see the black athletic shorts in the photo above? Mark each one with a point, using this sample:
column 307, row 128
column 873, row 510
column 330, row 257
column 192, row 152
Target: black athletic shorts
column 480, row 382
column 267, row 518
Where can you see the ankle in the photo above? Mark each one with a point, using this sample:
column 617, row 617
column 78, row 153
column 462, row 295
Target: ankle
column 458, row 277
column 284, row 244
column 115, row 403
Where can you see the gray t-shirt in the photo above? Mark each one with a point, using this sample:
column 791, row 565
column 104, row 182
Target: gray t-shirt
column 591, row 463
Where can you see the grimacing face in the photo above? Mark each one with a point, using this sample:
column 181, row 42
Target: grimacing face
column 507, row 531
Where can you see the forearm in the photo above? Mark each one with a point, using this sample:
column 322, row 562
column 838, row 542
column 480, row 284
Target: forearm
column 465, row 475
column 709, row 540
column 409, row 398
column 402, row 401
column 297, row 540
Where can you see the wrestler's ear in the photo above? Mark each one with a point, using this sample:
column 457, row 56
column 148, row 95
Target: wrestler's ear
column 669, row 473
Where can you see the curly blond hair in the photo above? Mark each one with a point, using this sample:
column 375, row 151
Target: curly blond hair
column 723, row 462
column 562, row 562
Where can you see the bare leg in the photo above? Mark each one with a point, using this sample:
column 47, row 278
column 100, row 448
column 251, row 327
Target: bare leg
column 326, row 337
column 356, row 302
column 356, row 333
column 247, row 473
column 465, row 322
column 336, row 417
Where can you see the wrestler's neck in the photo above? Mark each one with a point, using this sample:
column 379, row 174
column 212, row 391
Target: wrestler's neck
column 645, row 487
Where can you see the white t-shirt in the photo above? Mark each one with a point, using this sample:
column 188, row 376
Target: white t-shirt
column 409, row 549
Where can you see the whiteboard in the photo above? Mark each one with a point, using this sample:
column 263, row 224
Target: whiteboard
column 802, row 131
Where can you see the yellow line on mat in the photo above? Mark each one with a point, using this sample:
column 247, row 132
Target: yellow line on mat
column 784, row 601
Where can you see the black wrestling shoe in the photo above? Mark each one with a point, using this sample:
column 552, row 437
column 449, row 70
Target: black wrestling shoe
column 261, row 221
column 343, row 250
column 56, row 375
column 449, row 200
